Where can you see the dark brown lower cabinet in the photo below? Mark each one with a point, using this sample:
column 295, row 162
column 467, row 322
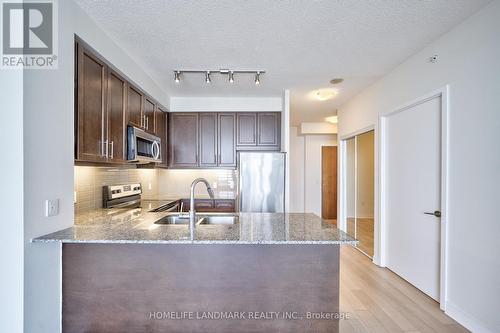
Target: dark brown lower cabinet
column 210, row 206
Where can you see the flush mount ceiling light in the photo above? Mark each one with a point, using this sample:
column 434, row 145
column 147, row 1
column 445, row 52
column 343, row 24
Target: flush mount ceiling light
column 332, row 119
column 324, row 94
column 229, row 72
column 336, row 81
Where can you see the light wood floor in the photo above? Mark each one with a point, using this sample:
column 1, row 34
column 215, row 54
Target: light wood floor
column 365, row 230
column 377, row 300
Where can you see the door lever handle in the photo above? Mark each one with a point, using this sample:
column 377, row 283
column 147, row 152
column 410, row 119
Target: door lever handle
column 436, row 213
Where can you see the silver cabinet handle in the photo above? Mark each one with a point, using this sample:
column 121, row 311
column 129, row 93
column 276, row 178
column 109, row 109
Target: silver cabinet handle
column 156, row 150
column 104, row 148
column 147, row 123
column 112, row 144
column 436, row 213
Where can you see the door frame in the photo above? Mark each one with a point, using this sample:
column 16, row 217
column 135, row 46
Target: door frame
column 342, row 185
column 382, row 191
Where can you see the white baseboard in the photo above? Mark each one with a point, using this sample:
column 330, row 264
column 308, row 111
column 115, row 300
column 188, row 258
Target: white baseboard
column 464, row 319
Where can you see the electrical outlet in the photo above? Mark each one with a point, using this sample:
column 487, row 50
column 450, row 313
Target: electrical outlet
column 214, row 185
column 51, row 207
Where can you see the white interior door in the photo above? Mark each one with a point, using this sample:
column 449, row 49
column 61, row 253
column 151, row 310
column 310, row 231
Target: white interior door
column 413, row 187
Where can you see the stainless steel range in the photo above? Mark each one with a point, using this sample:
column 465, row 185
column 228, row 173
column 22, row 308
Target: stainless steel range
column 120, row 196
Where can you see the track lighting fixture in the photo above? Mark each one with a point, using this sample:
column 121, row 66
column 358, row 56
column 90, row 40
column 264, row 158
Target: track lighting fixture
column 229, row 72
column 257, row 78
column 177, row 76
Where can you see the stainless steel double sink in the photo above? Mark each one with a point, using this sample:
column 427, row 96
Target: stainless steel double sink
column 202, row 220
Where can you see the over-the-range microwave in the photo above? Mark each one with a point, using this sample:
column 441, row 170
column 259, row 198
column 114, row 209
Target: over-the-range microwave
column 142, row 147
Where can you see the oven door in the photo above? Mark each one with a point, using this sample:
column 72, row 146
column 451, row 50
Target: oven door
column 143, row 147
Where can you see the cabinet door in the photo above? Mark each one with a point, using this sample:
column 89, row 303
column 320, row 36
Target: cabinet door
column 227, row 140
column 208, row 139
column 91, row 74
column 161, row 132
column 134, row 106
column 149, row 115
column 225, row 205
column 268, row 129
column 246, row 129
column 116, row 117
column 183, row 139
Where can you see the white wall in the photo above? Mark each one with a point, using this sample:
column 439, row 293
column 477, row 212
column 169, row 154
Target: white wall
column 296, row 171
column 221, row 104
column 468, row 61
column 48, row 156
column 11, row 201
column 285, row 143
column 312, row 175
column 318, row 128
column 305, row 171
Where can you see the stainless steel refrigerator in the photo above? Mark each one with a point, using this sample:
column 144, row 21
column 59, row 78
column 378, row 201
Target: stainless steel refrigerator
column 262, row 182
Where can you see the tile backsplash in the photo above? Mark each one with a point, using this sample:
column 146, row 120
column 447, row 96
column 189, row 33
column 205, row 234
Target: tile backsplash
column 178, row 182
column 156, row 183
column 88, row 183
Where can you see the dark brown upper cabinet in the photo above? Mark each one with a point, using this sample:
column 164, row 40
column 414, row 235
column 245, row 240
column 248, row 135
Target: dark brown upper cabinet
column 134, row 106
column 246, row 129
column 226, row 147
column 115, row 114
column 161, row 132
column 208, row 139
column 90, row 112
column 105, row 103
column 148, row 117
column 268, row 129
column 258, row 131
column 183, row 140
column 215, row 140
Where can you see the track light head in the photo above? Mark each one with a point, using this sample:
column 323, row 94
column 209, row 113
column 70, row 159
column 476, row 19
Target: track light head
column 177, row 76
column 207, row 77
column 257, row 78
column 231, row 77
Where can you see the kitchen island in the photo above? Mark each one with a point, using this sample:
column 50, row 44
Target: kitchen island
column 264, row 272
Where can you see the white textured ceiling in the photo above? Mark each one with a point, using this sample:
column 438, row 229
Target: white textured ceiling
column 302, row 44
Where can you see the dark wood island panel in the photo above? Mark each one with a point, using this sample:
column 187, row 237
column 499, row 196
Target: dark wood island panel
column 138, row 287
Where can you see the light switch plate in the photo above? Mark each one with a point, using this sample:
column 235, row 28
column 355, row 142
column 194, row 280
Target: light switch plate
column 51, row 207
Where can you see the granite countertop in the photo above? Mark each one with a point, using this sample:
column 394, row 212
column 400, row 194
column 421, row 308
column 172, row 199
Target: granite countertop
column 137, row 226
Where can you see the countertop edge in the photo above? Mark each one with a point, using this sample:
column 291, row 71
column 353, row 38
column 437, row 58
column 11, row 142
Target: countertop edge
column 189, row 242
